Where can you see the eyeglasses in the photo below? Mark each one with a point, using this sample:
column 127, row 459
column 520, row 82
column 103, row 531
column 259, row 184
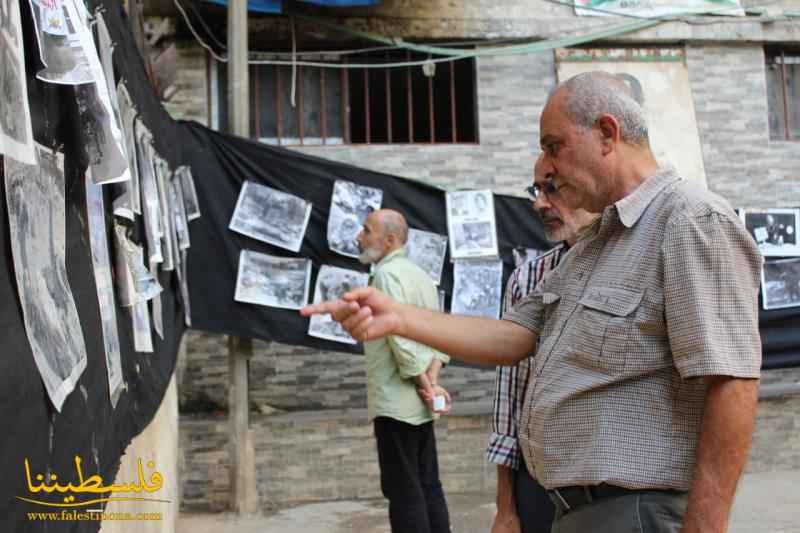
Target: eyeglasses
column 535, row 191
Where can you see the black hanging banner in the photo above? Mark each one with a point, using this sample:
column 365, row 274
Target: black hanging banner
column 88, row 426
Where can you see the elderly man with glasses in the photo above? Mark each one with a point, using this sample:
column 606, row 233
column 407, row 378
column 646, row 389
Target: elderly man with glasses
column 523, row 505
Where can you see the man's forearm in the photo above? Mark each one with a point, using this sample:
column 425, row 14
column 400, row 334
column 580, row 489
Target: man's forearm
column 725, row 434
column 469, row 338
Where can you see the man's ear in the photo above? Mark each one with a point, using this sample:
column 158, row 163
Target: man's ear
column 609, row 129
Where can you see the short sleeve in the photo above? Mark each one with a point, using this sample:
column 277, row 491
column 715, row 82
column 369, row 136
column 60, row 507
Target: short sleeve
column 528, row 312
column 712, row 271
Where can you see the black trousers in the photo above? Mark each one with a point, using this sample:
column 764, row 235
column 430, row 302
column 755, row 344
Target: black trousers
column 534, row 507
column 410, row 477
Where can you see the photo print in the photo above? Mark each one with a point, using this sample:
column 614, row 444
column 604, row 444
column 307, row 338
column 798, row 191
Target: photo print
column 427, row 251
column 350, row 206
column 101, row 262
column 135, row 283
column 126, row 201
column 179, row 212
column 471, row 224
column 60, row 43
column 332, row 283
column 16, row 136
column 780, row 284
column 163, row 178
column 190, row 201
column 271, row 216
column 151, row 206
column 775, row 230
column 272, row 281
column 477, row 288
column 37, row 228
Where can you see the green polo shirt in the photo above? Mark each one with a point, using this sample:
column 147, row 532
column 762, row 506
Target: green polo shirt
column 393, row 362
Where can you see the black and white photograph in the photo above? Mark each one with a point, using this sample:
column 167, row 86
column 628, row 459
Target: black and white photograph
column 477, row 288
column 178, row 210
column 427, row 250
column 114, row 167
column 135, row 283
column 101, row 262
column 442, row 301
column 471, row 224
column 60, row 44
column 151, row 206
column 775, row 230
column 183, row 280
column 190, row 201
column 163, row 178
column 350, row 206
column 142, row 332
column 522, row 255
column 780, row 284
column 126, row 190
column 332, row 283
column 272, row 281
column 271, row 216
column 16, row 137
column 37, row 228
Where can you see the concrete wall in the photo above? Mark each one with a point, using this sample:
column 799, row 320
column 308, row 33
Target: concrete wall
column 157, row 443
column 309, row 456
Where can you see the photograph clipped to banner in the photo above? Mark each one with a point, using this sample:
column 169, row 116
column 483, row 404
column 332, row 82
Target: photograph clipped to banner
column 35, row 195
column 350, row 206
column 272, row 281
column 471, row 224
column 190, row 201
column 271, row 216
column 16, row 136
column 477, row 288
column 332, row 283
column 101, row 262
column 780, row 283
column 775, row 230
column 427, row 251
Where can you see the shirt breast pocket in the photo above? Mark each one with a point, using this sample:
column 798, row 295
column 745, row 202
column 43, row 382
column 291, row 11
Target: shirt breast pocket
column 603, row 325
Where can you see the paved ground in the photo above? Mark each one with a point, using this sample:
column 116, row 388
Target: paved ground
column 765, row 503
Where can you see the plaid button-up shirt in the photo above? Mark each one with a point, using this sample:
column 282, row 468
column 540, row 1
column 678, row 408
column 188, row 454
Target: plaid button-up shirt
column 657, row 293
column 511, row 382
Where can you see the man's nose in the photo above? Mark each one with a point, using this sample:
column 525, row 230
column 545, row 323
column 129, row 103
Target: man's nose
column 542, row 202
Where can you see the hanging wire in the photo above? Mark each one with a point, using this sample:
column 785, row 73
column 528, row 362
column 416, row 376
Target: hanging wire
column 455, row 54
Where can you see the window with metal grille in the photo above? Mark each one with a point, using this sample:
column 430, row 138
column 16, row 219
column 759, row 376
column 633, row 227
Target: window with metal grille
column 783, row 93
column 383, row 105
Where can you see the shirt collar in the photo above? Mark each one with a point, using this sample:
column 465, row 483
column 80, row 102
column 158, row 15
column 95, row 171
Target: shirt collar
column 400, row 252
column 631, row 208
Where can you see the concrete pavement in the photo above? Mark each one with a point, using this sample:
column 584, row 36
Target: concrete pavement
column 767, row 502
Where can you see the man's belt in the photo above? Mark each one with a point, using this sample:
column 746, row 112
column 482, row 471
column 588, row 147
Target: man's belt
column 570, row 498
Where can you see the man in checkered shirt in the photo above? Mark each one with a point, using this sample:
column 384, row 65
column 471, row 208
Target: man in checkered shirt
column 648, row 352
column 522, row 503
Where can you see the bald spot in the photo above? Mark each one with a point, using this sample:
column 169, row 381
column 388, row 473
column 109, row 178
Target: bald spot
column 393, row 223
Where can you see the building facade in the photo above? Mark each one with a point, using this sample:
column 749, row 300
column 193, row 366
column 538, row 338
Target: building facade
column 741, row 77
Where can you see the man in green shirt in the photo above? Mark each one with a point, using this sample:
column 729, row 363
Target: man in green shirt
column 396, row 369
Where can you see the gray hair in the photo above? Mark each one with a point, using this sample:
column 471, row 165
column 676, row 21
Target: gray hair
column 394, row 224
column 593, row 93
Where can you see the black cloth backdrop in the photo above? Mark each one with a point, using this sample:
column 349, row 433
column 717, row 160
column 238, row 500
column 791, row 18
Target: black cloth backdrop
column 87, row 425
column 228, row 161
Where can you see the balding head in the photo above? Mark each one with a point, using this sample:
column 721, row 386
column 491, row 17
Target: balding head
column 394, row 223
column 384, row 231
column 591, row 94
